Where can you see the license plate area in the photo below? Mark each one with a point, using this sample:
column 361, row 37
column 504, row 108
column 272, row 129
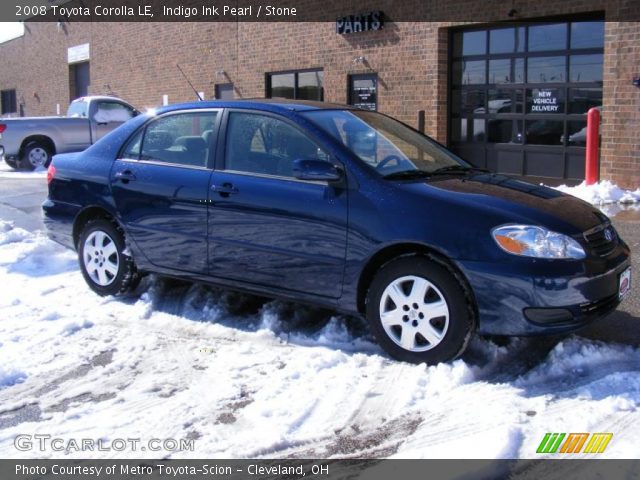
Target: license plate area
column 624, row 284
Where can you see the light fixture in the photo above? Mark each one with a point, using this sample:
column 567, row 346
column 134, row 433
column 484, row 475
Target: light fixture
column 359, row 60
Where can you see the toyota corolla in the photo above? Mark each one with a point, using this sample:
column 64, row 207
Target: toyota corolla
column 338, row 207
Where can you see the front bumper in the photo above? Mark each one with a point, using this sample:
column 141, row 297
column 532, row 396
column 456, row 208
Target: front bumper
column 537, row 297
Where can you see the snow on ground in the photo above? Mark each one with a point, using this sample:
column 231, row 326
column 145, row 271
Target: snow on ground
column 246, row 379
column 7, row 172
column 602, row 193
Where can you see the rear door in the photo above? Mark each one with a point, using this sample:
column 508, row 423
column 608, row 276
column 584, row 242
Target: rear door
column 265, row 226
column 161, row 184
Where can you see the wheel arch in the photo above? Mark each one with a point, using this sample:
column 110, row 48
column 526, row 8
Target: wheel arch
column 42, row 139
column 392, row 252
column 87, row 214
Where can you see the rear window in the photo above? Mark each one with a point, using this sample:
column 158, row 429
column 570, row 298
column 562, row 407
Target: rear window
column 78, row 108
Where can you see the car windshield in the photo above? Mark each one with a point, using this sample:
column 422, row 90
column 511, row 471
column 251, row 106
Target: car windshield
column 77, row 109
column 386, row 145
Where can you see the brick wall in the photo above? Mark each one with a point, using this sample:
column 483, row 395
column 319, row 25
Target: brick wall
column 137, row 61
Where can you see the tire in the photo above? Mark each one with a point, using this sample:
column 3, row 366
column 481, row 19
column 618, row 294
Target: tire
column 12, row 163
column 36, row 155
column 429, row 321
column 105, row 266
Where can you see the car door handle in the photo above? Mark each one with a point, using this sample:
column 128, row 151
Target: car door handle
column 225, row 189
column 125, row 176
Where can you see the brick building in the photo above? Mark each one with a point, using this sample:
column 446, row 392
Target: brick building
column 510, row 93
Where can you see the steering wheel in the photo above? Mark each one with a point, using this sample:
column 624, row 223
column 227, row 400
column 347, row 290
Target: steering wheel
column 388, row 159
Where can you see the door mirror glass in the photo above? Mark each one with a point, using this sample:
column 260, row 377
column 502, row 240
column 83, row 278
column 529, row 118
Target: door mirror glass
column 316, row 170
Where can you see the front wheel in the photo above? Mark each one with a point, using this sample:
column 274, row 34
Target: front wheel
column 105, row 266
column 36, row 155
column 418, row 311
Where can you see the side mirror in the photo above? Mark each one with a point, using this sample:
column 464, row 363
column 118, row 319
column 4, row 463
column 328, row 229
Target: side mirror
column 316, row 170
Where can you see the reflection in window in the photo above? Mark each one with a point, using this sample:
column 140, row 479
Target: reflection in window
column 548, row 37
column 467, row 101
column 587, row 34
column 500, row 71
column 468, row 130
column 504, row 131
column 519, row 70
column 586, row 68
column 577, row 133
column 544, row 132
column 505, row 101
column 469, row 72
column 546, row 69
column 470, row 43
column 296, row 85
column 502, row 40
column 582, row 99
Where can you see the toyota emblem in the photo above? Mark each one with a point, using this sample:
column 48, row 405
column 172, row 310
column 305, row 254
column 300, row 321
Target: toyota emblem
column 608, row 235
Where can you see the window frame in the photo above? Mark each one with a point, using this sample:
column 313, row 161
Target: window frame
column 213, row 141
column 221, row 150
column 13, row 94
column 295, row 73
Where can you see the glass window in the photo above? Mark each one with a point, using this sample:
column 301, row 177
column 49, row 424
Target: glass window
column 180, row 139
column 8, row 100
column 469, row 72
column 577, row 133
column 469, row 43
column 544, row 132
column 518, row 70
column 582, row 99
column 545, row 100
column 505, row 101
column 586, row 68
column 132, row 150
column 548, row 37
column 546, row 69
column 296, row 85
column 587, row 34
column 266, row 145
column 363, row 91
column 500, row 71
column 310, row 85
column 283, row 85
column 468, row 101
column 504, row 131
column 502, row 40
column 468, row 130
column 112, row 112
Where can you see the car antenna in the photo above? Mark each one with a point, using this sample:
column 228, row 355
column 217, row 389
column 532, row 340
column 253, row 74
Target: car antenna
column 200, row 99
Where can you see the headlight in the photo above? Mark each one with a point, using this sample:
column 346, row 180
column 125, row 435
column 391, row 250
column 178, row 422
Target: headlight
column 538, row 242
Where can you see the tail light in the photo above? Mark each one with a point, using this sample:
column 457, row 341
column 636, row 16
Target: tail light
column 51, row 173
column 3, row 127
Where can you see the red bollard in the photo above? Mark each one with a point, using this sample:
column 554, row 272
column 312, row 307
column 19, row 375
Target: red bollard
column 593, row 145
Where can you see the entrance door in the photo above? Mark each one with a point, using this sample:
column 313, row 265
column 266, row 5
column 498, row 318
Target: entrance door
column 520, row 94
column 81, row 79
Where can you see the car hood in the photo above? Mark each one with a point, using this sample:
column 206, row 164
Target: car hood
column 514, row 200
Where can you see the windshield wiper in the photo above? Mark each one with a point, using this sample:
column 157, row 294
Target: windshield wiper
column 407, row 174
column 457, row 169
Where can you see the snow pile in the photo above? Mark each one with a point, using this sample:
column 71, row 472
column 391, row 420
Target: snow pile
column 7, row 172
column 602, row 193
column 244, row 378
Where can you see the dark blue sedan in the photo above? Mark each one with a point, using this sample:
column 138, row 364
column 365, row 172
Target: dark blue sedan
column 338, row 207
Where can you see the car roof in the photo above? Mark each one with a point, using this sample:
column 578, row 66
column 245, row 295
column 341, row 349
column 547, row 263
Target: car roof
column 267, row 104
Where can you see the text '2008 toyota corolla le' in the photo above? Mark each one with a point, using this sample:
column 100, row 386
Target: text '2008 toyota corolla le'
column 339, row 207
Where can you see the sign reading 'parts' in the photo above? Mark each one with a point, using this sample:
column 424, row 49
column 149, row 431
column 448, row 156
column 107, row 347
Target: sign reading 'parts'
column 361, row 22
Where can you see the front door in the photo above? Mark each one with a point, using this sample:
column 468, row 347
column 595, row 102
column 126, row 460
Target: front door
column 267, row 227
column 160, row 186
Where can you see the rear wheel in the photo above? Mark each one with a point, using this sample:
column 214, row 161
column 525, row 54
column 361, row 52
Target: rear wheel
column 36, row 154
column 418, row 311
column 105, row 266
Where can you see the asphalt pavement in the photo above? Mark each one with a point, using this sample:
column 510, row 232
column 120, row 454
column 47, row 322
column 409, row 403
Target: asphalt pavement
column 21, row 199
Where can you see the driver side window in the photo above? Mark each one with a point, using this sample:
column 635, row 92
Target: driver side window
column 266, row 145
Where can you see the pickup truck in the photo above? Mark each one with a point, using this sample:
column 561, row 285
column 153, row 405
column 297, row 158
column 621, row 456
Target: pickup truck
column 28, row 143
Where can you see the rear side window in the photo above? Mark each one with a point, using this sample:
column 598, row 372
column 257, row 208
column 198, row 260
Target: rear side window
column 180, row 139
column 112, row 112
column 263, row 144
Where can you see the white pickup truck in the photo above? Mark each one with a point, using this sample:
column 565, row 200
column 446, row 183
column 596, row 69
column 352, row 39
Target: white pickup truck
column 27, row 143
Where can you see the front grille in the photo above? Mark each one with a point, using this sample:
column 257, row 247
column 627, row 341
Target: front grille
column 601, row 239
